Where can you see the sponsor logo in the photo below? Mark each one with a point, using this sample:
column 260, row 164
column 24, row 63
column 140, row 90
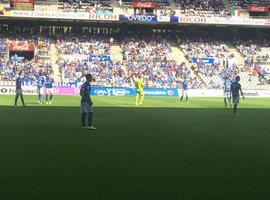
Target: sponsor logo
column 50, row 14
column 12, row 90
column 141, row 18
column 267, row 22
column 155, row 92
column 192, row 20
column 170, row 92
column 120, row 92
column 251, row 94
column 110, row 17
column 100, row 92
column 3, row 90
column 163, row 19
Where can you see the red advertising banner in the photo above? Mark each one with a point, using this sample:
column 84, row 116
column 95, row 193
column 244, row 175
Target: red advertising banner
column 255, row 8
column 144, row 5
column 22, row 1
column 21, row 47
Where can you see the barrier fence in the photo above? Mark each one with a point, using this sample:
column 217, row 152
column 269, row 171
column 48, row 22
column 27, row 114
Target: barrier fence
column 113, row 91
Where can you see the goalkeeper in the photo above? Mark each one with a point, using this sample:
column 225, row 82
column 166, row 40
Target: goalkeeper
column 139, row 91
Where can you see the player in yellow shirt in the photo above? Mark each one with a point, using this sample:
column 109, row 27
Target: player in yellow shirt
column 139, row 90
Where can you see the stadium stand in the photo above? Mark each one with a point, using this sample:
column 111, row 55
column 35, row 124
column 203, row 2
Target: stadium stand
column 69, row 53
column 244, row 3
column 208, row 8
column 100, row 7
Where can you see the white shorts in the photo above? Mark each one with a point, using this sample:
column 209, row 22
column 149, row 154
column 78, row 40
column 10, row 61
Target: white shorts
column 86, row 107
column 184, row 93
column 227, row 94
column 49, row 90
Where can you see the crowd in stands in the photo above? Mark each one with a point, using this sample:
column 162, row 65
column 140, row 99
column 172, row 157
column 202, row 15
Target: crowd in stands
column 100, row 7
column 164, row 11
column 148, row 55
column 151, row 58
column 211, row 59
column 254, row 51
column 31, row 65
column 256, row 54
column 30, row 68
column 244, row 3
column 202, row 8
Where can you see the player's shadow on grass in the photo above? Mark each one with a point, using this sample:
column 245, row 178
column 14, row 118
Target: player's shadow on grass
column 116, row 112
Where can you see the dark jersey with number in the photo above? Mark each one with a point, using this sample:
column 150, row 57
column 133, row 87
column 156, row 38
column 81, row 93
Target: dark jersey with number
column 19, row 83
column 235, row 88
column 83, row 92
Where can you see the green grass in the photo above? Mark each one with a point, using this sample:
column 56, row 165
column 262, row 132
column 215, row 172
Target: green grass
column 162, row 150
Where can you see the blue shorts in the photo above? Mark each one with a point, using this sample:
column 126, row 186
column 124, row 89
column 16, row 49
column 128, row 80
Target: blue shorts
column 235, row 99
column 18, row 91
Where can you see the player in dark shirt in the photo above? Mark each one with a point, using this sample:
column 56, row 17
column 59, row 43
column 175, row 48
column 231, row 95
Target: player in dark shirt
column 86, row 103
column 184, row 90
column 235, row 90
column 19, row 89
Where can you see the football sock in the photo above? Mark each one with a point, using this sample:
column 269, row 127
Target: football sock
column 83, row 119
column 90, row 118
column 142, row 98
column 137, row 98
column 225, row 101
column 234, row 108
column 22, row 99
column 16, row 99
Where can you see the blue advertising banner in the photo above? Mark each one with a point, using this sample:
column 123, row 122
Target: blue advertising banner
column 139, row 18
column 174, row 19
column 203, row 60
column 99, row 58
column 107, row 91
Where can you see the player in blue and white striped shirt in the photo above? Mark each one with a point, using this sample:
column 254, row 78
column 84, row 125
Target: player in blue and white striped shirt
column 40, row 84
column 227, row 92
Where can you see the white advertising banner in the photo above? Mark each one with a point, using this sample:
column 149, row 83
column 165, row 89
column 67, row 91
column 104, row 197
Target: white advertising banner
column 32, row 90
column 223, row 21
column 11, row 90
column 49, row 14
column 219, row 93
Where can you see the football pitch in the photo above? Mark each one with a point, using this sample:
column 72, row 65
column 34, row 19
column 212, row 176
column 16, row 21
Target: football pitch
column 162, row 150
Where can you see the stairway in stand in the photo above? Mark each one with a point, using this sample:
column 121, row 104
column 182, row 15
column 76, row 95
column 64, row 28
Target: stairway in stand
column 179, row 57
column 55, row 67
